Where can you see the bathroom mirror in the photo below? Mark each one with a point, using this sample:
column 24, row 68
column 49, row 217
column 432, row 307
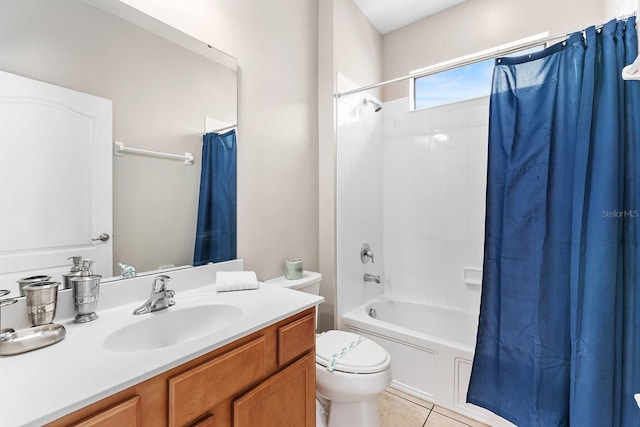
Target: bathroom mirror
column 166, row 88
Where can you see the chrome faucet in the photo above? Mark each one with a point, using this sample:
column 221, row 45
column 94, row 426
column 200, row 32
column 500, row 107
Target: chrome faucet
column 127, row 271
column 371, row 278
column 160, row 298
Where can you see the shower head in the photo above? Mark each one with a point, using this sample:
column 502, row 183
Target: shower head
column 376, row 107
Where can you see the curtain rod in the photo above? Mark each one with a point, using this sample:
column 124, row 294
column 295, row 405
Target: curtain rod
column 462, row 61
column 456, row 63
column 224, row 128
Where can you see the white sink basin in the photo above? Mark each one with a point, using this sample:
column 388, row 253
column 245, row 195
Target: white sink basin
column 171, row 326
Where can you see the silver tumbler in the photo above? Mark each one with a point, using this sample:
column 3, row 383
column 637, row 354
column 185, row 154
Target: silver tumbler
column 66, row 279
column 85, row 297
column 42, row 300
column 33, row 279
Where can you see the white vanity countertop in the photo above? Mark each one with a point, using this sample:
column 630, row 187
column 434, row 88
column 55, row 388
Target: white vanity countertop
column 45, row 384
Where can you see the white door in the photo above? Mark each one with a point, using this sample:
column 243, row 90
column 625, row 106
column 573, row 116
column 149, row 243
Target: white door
column 55, row 179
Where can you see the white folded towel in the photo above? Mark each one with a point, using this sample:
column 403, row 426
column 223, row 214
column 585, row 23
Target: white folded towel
column 236, row 280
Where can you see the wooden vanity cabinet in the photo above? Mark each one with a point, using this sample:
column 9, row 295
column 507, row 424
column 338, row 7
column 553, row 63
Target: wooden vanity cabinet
column 264, row 379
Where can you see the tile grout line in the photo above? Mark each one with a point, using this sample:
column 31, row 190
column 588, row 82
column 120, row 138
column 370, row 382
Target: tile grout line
column 458, row 422
column 431, row 410
column 427, row 419
column 411, row 401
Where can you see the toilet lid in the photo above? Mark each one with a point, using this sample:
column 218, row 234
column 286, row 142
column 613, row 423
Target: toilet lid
column 347, row 352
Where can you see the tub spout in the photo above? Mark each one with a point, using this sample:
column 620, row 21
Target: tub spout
column 371, row 278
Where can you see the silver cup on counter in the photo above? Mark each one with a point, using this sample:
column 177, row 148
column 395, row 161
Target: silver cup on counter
column 85, row 297
column 32, row 279
column 42, row 300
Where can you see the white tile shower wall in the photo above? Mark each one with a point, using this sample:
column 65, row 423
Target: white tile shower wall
column 359, row 194
column 434, row 181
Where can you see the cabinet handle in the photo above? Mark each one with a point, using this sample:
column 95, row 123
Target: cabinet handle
column 205, row 422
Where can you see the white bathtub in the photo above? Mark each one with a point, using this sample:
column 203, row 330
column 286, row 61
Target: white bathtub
column 431, row 350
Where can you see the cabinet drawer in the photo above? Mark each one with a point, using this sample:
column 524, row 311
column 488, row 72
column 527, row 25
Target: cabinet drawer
column 296, row 338
column 194, row 392
column 124, row 414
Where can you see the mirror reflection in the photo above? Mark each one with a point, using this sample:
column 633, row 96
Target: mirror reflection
column 164, row 96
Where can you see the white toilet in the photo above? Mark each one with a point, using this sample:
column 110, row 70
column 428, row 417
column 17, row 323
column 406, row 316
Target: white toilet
column 351, row 371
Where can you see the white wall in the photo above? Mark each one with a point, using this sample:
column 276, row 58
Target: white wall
column 357, row 45
column 359, row 198
column 351, row 46
column 620, row 7
column 412, row 185
column 276, row 44
column 326, row 166
column 434, row 200
column 357, row 52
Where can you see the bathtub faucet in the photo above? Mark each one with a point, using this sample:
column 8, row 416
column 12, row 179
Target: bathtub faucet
column 371, row 278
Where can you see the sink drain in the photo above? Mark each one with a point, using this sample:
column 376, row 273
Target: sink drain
column 372, row 313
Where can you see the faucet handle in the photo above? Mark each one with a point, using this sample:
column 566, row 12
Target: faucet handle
column 366, row 254
column 168, row 297
column 163, row 279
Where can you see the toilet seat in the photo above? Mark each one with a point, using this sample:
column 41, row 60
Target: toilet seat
column 350, row 353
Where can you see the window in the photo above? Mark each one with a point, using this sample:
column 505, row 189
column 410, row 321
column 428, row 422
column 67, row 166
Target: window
column 458, row 84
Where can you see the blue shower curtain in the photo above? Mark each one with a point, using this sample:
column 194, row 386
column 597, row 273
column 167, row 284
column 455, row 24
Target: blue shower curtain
column 216, row 226
column 558, row 340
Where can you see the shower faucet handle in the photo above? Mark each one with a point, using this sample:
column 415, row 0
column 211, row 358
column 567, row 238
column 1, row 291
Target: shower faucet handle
column 366, row 254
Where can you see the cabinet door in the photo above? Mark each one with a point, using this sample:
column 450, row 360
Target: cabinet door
column 287, row 399
column 124, row 414
column 194, row 392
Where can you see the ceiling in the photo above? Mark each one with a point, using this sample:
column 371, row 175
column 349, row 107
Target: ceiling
column 389, row 15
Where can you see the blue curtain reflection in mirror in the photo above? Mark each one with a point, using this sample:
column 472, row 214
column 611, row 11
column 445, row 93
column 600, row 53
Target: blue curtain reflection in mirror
column 216, row 226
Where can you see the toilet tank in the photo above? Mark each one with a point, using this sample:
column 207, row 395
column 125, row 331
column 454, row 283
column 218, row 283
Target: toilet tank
column 310, row 282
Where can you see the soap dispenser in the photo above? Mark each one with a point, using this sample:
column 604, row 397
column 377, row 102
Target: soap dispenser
column 86, row 288
column 76, row 271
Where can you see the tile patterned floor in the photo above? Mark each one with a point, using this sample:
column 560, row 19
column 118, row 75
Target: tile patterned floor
column 398, row 409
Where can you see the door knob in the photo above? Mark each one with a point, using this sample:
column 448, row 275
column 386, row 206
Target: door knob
column 103, row 237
